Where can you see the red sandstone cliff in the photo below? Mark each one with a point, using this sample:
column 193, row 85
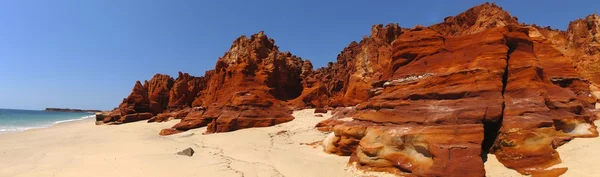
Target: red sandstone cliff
column 429, row 101
column 499, row 85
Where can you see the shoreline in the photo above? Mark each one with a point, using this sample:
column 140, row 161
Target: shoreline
column 53, row 124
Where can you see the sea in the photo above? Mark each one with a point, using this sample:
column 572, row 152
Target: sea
column 12, row 120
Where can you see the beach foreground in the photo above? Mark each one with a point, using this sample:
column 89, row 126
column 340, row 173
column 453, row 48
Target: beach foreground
column 83, row 149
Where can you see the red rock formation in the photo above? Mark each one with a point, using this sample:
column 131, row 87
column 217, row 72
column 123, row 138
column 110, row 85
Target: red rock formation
column 478, row 69
column 137, row 101
column 184, row 91
column 428, row 100
column 439, row 82
column 247, row 87
column 152, row 97
column 347, row 82
column 546, row 104
column 158, row 92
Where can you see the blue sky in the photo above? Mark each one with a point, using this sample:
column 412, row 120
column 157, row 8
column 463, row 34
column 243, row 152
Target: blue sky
column 89, row 53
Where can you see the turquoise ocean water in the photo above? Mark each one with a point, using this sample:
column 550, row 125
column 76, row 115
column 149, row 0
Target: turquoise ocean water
column 12, row 120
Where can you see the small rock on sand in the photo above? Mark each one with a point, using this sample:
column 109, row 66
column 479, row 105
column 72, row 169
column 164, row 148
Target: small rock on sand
column 187, row 152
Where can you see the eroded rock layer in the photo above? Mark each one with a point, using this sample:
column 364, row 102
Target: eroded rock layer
column 546, row 104
column 513, row 81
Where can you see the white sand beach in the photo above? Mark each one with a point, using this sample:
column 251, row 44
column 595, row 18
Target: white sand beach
column 81, row 148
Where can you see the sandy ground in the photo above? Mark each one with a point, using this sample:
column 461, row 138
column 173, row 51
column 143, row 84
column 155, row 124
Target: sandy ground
column 81, row 148
column 581, row 156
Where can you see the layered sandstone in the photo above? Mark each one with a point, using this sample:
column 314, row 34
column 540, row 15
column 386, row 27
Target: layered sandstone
column 546, row 103
column 478, row 69
column 438, row 83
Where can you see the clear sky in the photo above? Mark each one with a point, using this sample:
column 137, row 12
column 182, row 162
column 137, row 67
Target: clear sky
column 89, row 53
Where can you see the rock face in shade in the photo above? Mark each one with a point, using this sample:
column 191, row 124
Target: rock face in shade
column 426, row 101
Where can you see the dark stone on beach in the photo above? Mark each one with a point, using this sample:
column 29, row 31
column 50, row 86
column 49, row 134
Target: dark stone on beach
column 320, row 110
column 187, row 152
column 135, row 117
column 100, row 116
column 318, row 115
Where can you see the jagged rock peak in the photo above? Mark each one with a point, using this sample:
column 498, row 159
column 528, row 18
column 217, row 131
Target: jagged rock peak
column 388, row 33
column 307, row 68
column 476, row 19
column 258, row 46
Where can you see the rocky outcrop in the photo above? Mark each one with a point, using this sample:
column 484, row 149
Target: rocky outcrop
column 137, row 101
column 437, row 83
column 546, row 103
column 185, row 90
column 348, row 81
column 151, row 97
column 475, row 20
column 247, row 88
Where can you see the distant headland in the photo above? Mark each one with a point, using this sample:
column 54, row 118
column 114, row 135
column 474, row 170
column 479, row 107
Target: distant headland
column 71, row 110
